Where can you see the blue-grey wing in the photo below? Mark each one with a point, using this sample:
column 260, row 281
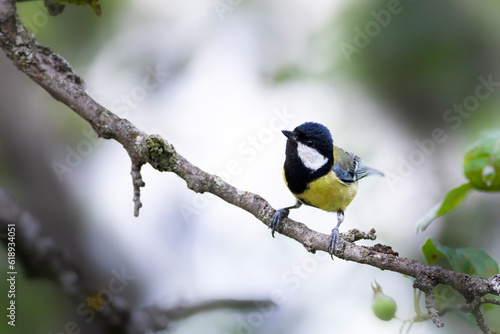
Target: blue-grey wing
column 345, row 176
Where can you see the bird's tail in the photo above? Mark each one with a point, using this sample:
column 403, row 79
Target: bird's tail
column 364, row 171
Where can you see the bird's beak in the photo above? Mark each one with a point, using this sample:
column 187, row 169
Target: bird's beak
column 290, row 134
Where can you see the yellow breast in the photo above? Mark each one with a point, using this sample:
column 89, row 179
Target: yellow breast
column 328, row 193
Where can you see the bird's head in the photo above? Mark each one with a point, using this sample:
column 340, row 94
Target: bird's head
column 312, row 143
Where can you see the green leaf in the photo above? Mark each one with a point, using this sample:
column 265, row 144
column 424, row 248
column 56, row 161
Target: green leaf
column 447, row 298
column 431, row 253
column 482, row 162
column 96, row 7
column 472, row 261
column 453, row 199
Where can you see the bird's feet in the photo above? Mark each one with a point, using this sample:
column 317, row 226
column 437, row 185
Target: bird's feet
column 332, row 241
column 276, row 219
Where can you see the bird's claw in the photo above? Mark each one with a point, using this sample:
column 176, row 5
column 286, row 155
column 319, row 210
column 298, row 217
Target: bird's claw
column 332, row 241
column 276, row 219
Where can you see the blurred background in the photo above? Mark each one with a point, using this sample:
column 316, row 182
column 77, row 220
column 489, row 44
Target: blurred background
column 406, row 85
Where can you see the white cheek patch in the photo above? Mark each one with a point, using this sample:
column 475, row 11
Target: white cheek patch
column 311, row 158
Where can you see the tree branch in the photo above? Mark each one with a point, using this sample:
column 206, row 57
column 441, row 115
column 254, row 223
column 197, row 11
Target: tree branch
column 494, row 301
column 57, row 77
column 137, row 182
column 42, row 257
column 427, row 284
column 474, row 306
column 159, row 318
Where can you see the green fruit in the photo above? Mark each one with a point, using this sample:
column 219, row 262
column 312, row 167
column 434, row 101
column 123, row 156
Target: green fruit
column 383, row 306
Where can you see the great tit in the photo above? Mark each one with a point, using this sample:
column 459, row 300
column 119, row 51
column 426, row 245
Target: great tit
column 320, row 174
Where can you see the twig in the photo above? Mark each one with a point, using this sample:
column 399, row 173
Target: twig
column 44, row 258
column 485, row 300
column 427, row 284
column 476, row 312
column 475, row 304
column 356, row 235
column 137, row 183
column 159, row 318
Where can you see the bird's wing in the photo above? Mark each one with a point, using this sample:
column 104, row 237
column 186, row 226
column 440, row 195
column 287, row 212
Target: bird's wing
column 344, row 165
column 349, row 167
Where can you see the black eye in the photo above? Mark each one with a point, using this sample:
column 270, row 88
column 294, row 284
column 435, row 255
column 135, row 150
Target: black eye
column 310, row 143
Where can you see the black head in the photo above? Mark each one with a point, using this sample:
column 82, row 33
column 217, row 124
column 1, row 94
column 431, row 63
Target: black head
column 309, row 154
column 313, row 135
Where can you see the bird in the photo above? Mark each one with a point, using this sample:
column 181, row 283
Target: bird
column 320, row 174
